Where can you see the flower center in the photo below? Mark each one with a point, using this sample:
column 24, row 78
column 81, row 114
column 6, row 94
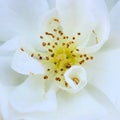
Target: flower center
column 60, row 54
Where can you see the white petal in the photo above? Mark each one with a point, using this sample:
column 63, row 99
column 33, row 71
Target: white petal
column 31, row 96
column 22, row 17
column 3, row 102
column 84, row 16
column 111, row 3
column 74, row 15
column 9, row 77
column 76, row 78
column 52, row 3
column 104, row 75
column 114, row 41
column 24, row 64
column 10, row 46
column 111, row 116
column 71, row 107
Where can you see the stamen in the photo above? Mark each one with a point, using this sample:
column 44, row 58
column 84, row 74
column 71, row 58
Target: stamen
column 61, row 53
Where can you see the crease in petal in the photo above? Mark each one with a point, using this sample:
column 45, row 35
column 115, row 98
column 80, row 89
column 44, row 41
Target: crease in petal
column 31, row 96
column 25, row 64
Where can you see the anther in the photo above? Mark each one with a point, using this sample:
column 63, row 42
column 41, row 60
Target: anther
column 63, row 44
column 57, row 79
column 64, row 37
column 48, row 69
column 87, row 58
column 85, row 55
column 57, row 38
column 91, row 57
column 45, row 77
column 47, row 58
column 77, row 49
column 56, row 43
column 68, row 65
column 56, row 20
column 21, row 49
column 55, row 30
column 73, row 38
column 79, row 33
column 40, row 57
column 81, row 56
column 66, row 84
column 41, row 37
column 52, row 55
column 32, row 55
column 50, row 50
column 56, row 71
column 44, row 43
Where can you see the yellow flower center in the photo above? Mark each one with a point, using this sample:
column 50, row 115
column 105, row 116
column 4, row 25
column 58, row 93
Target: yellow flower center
column 60, row 54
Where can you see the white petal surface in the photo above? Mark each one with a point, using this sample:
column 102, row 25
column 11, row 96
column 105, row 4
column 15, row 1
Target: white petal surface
column 104, row 75
column 71, row 107
column 21, row 17
column 31, row 96
column 111, row 3
column 10, row 46
column 51, row 3
column 24, row 64
column 85, row 16
column 74, row 15
column 114, row 41
column 3, row 103
column 7, row 75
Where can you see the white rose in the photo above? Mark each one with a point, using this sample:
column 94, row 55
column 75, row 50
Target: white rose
column 57, row 63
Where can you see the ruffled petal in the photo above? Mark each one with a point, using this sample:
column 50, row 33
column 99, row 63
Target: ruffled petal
column 25, row 64
column 104, row 75
column 31, row 96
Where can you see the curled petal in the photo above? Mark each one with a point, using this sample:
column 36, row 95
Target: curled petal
column 24, row 64
column 76, row 78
